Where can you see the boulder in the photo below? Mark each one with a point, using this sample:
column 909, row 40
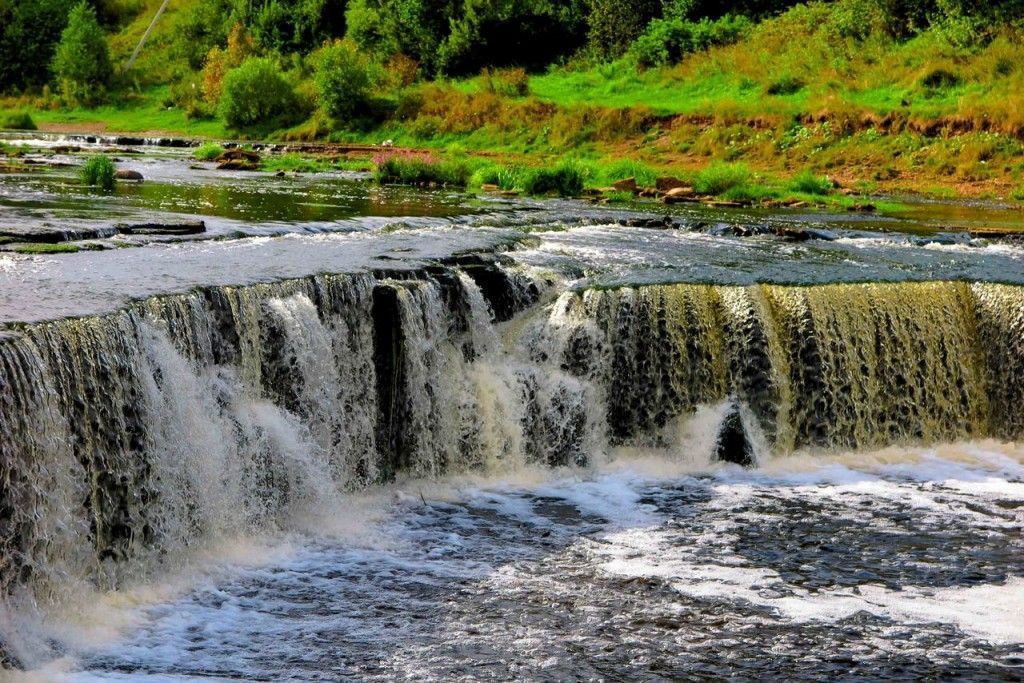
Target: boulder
column 733, row 443
column 666, row 183
column 678, row 195
column 125, row 174
column 625, row 185
column 238, row 160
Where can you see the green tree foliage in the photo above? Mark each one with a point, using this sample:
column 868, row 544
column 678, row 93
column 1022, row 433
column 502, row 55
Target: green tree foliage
column 256, row 94
column 615, row 24
column 29, row 30
column 344, row 78
column 461, row 37
column 666, row 41
column 292, row 25
column 81, row 62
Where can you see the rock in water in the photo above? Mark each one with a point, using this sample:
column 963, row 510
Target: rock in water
column 733, row 443
column 125, row 174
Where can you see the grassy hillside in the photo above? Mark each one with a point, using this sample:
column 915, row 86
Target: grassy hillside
column 808, row 90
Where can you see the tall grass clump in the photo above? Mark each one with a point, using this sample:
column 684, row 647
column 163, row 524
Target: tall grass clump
column 99, row 172
column 208, row 151
column 505, row 176
column 809, row 183
column 565, row 180
column 403, row 168
column 17, row 120
column 719, row 178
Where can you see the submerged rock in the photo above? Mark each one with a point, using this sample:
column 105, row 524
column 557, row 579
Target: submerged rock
column 183, row 228
column 733, row 443
column 125, row 174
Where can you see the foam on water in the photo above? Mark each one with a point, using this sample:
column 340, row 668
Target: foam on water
column 432, row 578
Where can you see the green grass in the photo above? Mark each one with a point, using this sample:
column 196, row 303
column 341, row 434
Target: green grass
column 60, row 248
column 719, row 178
column 417, row 169
column 99, row 171
column 208, row 151
column 135, row 113
column 16, row 120
column 808, row 182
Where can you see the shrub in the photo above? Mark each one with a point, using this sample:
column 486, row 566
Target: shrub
column 402, row 168
column 565, row 180
column 256, row 94
column 344, row 78
column 787, row 85
column 81, row 63
column 719, row 178
column 221, row 60
column 99, row 172
column 667, row 41
column 615, row 24
column 17, row 120
column 809, row 183
column 940, row 78
column 208, row 151
column 506, row 82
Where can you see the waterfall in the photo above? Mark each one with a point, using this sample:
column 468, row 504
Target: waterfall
column 128, row 438
column 831, row 366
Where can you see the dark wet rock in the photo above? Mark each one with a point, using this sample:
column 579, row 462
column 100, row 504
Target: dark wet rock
column 661, row 222
column 183, row 228
column 126, row 174
column 802, row 234
column 65, row 149
column 668, row 183
column 238, row 160
column 733, row 443
column 863, row 208
column 996, row 233
column 625, row 185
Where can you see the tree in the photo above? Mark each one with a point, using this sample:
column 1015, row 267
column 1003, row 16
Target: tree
column 343, row 79
column 292, row 25
column 81, row 63
column 29, row 30
column 257, row 94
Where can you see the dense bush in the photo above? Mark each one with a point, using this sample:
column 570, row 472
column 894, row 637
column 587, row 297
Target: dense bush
column 506, row 82
column 613, row 25
column 81, row 62
column 16, row 120
column 257, row 94
column 29, row 31
column 666, row 41
column 463, row 36
column 344, row 78
column 99, row 172
column 292, row 25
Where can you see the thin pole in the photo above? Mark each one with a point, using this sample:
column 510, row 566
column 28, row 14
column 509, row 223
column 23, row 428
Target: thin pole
column 145, row 36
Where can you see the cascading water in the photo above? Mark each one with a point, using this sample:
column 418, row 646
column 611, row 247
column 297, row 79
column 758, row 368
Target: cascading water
column 130, row 437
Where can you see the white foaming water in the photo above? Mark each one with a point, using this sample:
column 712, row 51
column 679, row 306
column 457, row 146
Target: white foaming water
column 620, row 520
